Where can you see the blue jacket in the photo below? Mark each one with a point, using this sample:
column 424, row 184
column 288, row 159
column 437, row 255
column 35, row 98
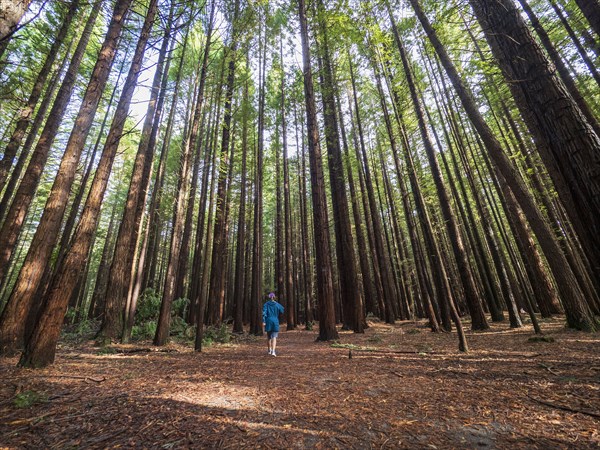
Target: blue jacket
column 271, row 311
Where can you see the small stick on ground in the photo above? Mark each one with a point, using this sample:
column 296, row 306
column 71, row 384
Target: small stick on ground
column 565, row 408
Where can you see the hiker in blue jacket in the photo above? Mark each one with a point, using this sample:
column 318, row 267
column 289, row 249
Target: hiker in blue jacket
column 271, row 311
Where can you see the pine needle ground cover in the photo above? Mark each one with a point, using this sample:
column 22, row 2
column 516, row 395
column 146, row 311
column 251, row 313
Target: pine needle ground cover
column 393, row 387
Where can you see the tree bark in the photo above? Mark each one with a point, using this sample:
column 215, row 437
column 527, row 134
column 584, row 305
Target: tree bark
column 11, row 14
column 346, row 260
column 25, row 114
column 164, row 319
column 325, row 297
column 578, row 314
column 568, row 146
column 15, row 216
column 38, row 256
column 478, row 319
column 219, row 252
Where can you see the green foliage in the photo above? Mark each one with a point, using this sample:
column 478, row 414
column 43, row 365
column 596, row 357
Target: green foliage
column 220, row 335
column 79, row 330
column 180, row 307
column 148, row 307
column 146, row 330
column 106, row 350
column 181, row 329
column 27, row 399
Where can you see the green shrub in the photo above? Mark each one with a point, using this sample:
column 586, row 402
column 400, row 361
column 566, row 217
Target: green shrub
column 181, row 329
column 180, row 307
column 219, row 335
column 27, row 399
column 146, row 330
column 148, row 307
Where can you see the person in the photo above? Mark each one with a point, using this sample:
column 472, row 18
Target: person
column 271, row 311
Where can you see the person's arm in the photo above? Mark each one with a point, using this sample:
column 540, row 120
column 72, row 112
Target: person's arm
column 264, row 314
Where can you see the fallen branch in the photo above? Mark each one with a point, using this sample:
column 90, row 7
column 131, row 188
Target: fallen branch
column 399, row 352
column 146, row 350
column 565, row 408
column 76, row 377
column 549, row 369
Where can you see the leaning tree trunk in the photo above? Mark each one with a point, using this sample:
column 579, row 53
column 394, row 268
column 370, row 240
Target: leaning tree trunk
column 219, row 252
column 122, row 269
column 591, row 11
column 38, row 121
column 11, row 13
column 343, row 231
column 577, row 310
column 325, row 296
column 25, row 114
column 478, row 319
column 164, row 319
column 562, row 70
column 40, row 347
column 569, row 146
column 40, row 250
column 15, row 216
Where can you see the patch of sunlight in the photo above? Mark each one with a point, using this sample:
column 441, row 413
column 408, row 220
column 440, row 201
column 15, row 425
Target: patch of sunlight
column 215, row 395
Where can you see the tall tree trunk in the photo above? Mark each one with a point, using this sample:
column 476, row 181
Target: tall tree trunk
column 240, row 268
column 10, row 16
column 289, row 253
column 562, row 70
column 478, row 319
column 569, row 147
column 578, row 314
column 578, row 45
column 97, row 303
column 25, row 114
column 383, row 284
column 38, row 256
column 123, row 268
column 164, row 319
column 257, row 241
column 38, row 121
column 591, row 11
column 346, row 261
column 149, row 278
column 157, row 97
column 325, row 298
column 15, row 216
column 40, row 348
column 219, row 252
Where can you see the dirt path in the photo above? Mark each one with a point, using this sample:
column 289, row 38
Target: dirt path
column 314, row 396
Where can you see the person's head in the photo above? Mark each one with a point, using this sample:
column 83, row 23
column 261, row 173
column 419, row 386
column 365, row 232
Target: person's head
column 272, row 296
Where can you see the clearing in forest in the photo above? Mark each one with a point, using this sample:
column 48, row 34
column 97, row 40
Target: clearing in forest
column 403, row 387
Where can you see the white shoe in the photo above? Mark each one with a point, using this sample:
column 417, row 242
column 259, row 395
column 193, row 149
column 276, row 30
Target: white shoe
column 270, row 352
column 273, row 353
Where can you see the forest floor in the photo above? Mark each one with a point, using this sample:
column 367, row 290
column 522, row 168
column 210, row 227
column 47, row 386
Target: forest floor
column 403, row 387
